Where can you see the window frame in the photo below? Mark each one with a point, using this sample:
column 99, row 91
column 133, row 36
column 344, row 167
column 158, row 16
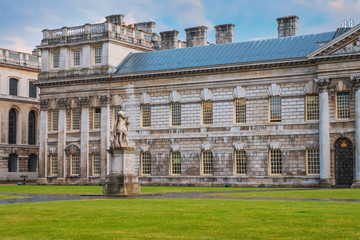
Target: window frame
column 72, row 119
column 32, row 90
column 270, row 163
column 337, row 107
column 307, row 96
column 204, row 116
column 176, row 118
column 11, row 86
column 15, row 130
column 53, row 59
column 36, row 162
column 172, row 167
column 51, row 158
column 148, row 155
column 76, row 62
column 241, row 111
column 307, row 161
column 271, row 115
column 52, row 120
column 72, row 164
column 95, row 55
column 32, row 138
column 236, row 162
column 16, row 160
column 93, row 164
column 203, row 163
column 148, row 115
column 99, row 118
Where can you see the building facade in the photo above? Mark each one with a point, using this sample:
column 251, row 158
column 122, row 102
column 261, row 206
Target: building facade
column 281, row 111
column 19, row 114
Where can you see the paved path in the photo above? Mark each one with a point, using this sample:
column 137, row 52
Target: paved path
column 181, row 195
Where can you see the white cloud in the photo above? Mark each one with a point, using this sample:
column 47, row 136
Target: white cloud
column 16, row 44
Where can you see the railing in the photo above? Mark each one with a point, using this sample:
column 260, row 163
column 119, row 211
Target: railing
column 19, row 58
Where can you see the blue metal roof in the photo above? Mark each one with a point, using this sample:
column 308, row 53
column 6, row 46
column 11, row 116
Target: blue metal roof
column 223, row 54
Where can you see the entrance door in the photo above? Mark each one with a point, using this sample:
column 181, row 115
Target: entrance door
column 344, row 164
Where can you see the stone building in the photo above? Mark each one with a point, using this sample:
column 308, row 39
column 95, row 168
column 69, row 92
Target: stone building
column 281, row 111
column 19, row 114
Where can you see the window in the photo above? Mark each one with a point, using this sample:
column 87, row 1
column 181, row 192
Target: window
column 275, row 162
column 145, row 163
column 342, row 105
column 207, row 112
column 54, row 120
column 97, row 55
column 207, row 162
column 176, row 114
column 240, row 110
column 56, row 59
column 76, row 57
column 313, row 161
column 275, row 109
column 13, row 86
column 97, row 118
column 75, row 119
column 312, row 107
column 32, row 128
column 12, row 126
column 175, row 163
column 32, row 90
column 96, row 164
column 75, row 164
column 12, row 162
column 53, row 164
column 32, row 163
column 146, row 115
column 240, row 162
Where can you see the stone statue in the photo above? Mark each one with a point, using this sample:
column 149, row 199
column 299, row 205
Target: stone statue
column 121, row 130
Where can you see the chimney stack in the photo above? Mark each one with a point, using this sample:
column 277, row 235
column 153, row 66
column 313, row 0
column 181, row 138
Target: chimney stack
column 196, row 36
column 148, row 27
column 224, row 33
column 116, row 19
column 287, row 26
column 169, row 39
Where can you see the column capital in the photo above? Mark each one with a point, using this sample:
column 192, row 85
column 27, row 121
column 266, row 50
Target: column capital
column 322, row 83
column 104, row 100
column 83, row 101
column 61, row 103
column 356, row 81
column 44, row 104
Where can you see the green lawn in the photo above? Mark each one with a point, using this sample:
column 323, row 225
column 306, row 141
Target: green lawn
column 180, row 219
column 323, row 193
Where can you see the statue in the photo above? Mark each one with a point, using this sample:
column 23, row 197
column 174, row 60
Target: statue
column 121, row 130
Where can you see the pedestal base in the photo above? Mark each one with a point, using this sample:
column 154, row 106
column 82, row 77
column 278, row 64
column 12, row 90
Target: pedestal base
column 325, row 183
column 356, row 184
column 116, row 183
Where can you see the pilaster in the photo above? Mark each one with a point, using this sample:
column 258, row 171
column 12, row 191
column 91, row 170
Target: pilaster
column 43, row 142
column 61, row 103
column 84, row 141
column 104, row 101
column 356, row 85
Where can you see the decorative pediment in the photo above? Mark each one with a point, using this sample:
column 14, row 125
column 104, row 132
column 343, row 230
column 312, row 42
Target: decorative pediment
column 274, row 90
column 174, row 97
column 311, row 88
column 145, row 99
column 239, row 92
column 206, row 94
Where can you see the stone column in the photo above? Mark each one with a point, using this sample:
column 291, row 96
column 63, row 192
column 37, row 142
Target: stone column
column 324, row 132
column 356, row 82
column 84, row 140
column 104, row 101
column 43, row 142
column 61, row 176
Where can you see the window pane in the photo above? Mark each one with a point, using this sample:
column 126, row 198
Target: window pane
column 275, row 161
column 97, row 118
column 275, row 109
column 176, row 114
column 146, row 115
column 146, row 163
column 240, row 162
column 175, row 163
column 207, row 110
column 55, row 120
column 96, row 164
column 13, row 86
column 313, row 161
column 97, row 55
column 32, row 128
column 32, row 163
column 343, row 105
column 32, row 90
column 76, row 57
column 207, row 158
column 240, row 110
column 312, row 108
column 56, row 59
column 12, row 126
column 75, row 117
column 53, row 164
column 75, row 164
column 12, row 163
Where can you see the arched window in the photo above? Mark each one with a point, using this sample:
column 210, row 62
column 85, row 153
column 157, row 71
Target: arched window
column 13, row 84
column 32, row 128
column 32, row 163
column 12, row 126
column 12, row 162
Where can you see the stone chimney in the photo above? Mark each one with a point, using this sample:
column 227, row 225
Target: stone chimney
column 287, row 26
column 196, row 36
column 116, row 19
column 224, row 33
column 148, row 27
column 169, row 39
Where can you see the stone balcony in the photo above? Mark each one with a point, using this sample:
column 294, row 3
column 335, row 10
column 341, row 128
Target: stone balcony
column 19, row 58
column 126, row 34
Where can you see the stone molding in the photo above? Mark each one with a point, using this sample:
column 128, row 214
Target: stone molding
column 72, row 148
column 144, row 148
column 104, row 100
column 61, row 103
column 206, row 94
column 145, row 99
column 312, row 144
column 322, row 83
column 52, row 150
column 311, row 88
column 205, row 147
column 95, row 150
column 275, row 145
column 274, row 90
column 174, row 147
column 174, row 97
column 239, row 92
column 44, row 104
column 116, row 100
column 340, row 86
column 83, row 101
column 356, row 81
column 239, row 146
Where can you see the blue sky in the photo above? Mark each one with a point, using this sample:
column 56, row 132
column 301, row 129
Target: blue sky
column 21, row 21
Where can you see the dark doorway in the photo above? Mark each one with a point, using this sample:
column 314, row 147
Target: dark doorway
column 12, row 162
column 32, row 163
column 344, row 164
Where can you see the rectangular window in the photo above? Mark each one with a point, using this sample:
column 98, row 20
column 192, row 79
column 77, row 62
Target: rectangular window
column 75, row 164
column 56, row 59
column 275, row 162
column 145, row 163
column 312, row 107
column 97, row 55
column 13, row 86
column 53, row 164
column 145, row 115
column 32, row 90
column 275, row 109
column 207, row 112
column 97, row 118
column 342, row 105
column 96, row 164
column 207, row 162
column 54, row 120
column 313, row 161
column 240, row 162
column 175, row 163
column 240, row 110
column 75, row 119
column 176, row 114
column 76, row 57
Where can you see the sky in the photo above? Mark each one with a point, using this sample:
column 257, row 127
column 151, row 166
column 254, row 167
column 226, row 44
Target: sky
column 21, row 21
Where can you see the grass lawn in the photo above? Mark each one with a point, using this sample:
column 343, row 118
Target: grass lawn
column 180, row 219
column 324, row 193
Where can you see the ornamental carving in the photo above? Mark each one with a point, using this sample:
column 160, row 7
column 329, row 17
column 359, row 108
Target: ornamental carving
column 311, row 88
column 206, row 94
column 239, row 92
column 275, row 145
column 61, row 103
column 356, row 81
column 205, row 147
column 44, row 104
column 174, row 97
column 83, row 101
column 72, row 149
column 239, row 146
column 145, row 99
column 274, row 90
column 104, row 100
column 322, row 83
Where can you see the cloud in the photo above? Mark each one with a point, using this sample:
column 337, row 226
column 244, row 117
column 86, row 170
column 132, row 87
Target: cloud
column 32, row 29
column 16, row 44
column 337, row 4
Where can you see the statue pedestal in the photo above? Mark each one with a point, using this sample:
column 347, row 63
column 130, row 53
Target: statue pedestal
column 121, row 179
